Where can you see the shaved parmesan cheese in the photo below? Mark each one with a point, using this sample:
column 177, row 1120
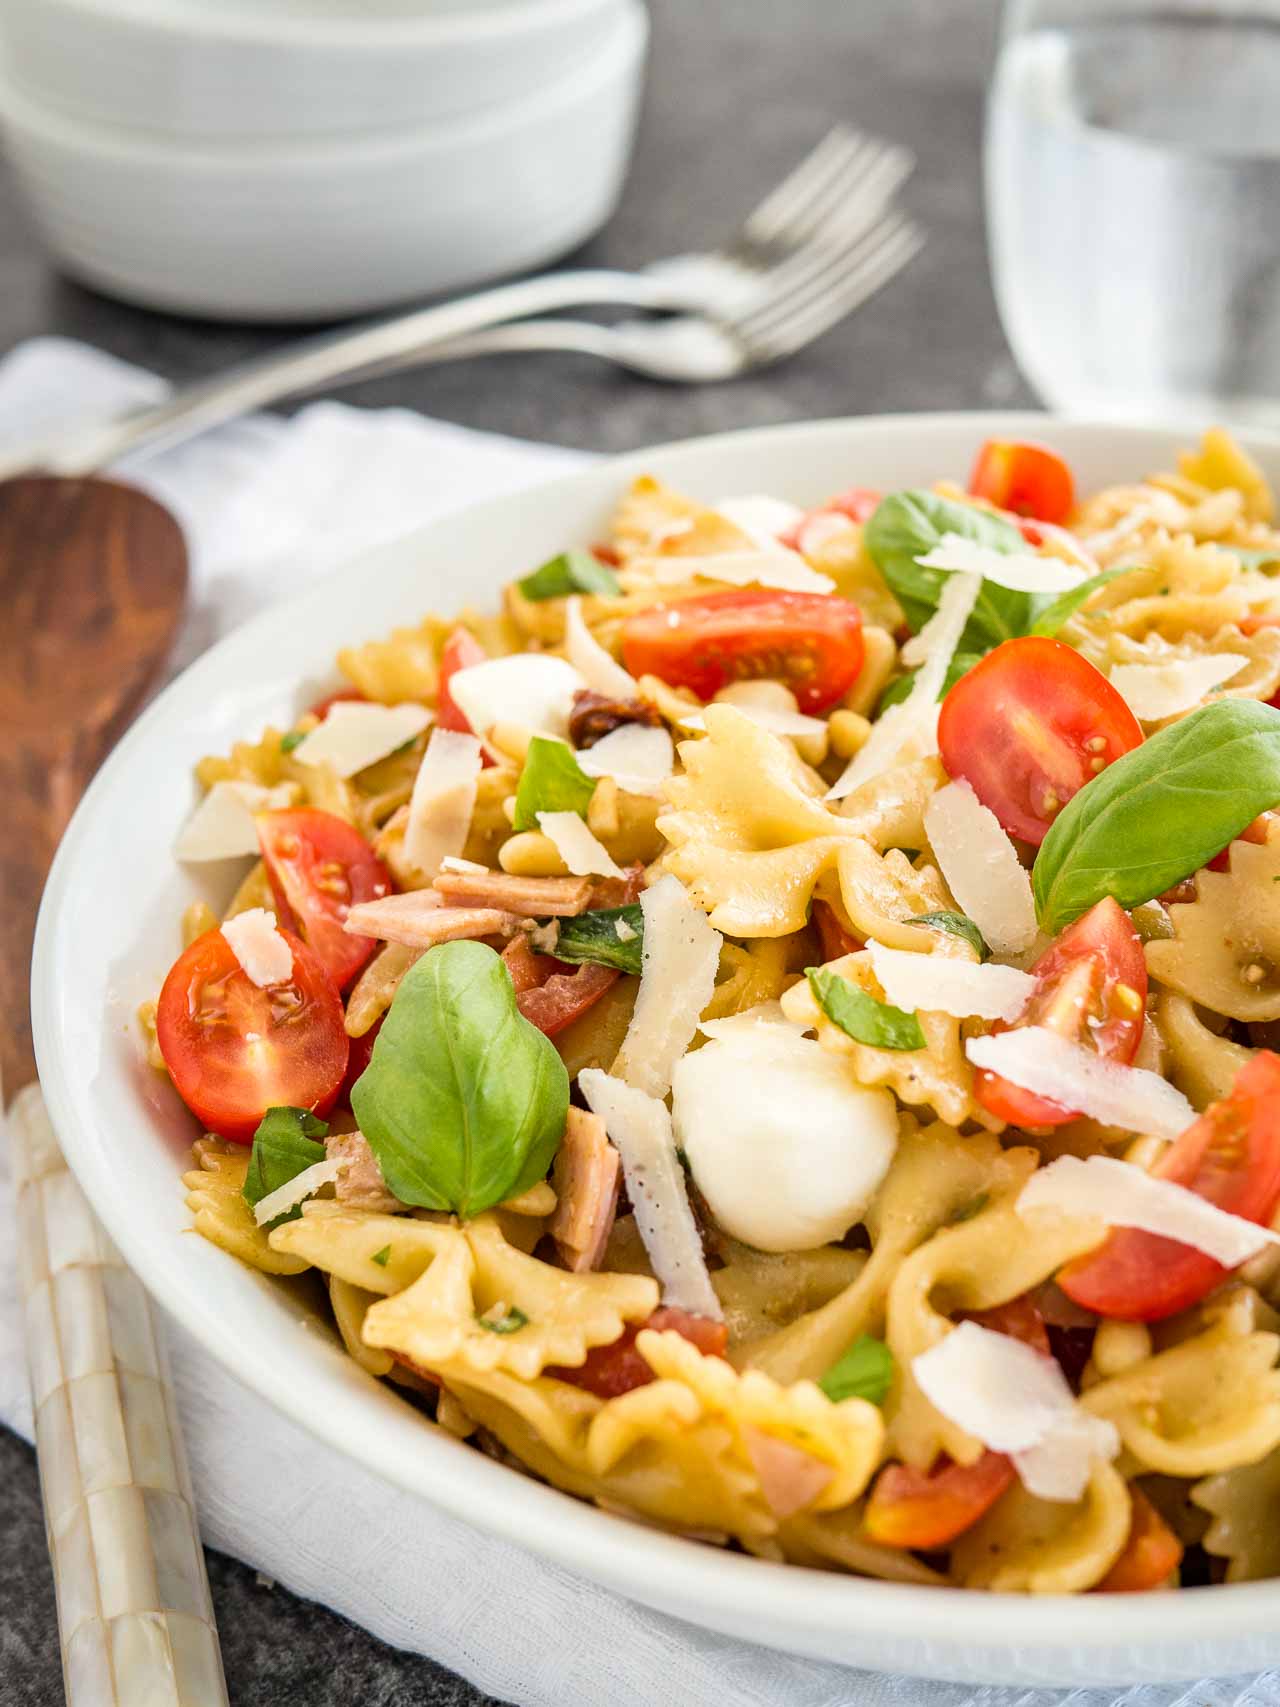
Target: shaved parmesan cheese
column 819, row 531
column 750, row 1021
column 939, row 984
column 763, row 519
column 777, row 567
column 1014, row 1399
column 599, row 670
column 577, row 847
column 1020, row 571
column 771, row 717
column 909, row 730
column 1041, row 1061
column 355, row 734
column 532, row 689
column 256, row 943
column 639, row 1127
column 678, row 975
column 623, row 931
column 463, row 867
column 1125, row 1196
column 637, row 757
column 1152, row 691
column 289, row 1195
column 222, row 826
column 443, row 800
column 981, row 867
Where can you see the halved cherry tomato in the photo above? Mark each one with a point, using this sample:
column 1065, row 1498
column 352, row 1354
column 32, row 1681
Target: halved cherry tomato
column 319, row 868
column 810, row 641
column 858, row 503
column 1028, row 727
column 835, row 939
column 359, row 1053
column 617, row 1368
column 461, row 651
column 550, row 993
column 1151, row 1554
column 1231, row 1157
column 339, row 696
column 234, row 1050
column 1028, row 479
column 1091, row 988
column 1256, row 832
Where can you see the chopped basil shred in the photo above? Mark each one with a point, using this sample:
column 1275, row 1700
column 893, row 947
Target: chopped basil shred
column 865, row 1371
column 594, row 936
column 293, row 739
column 1065, row 606
column 571, row 572
column 382, row 1257
column 955, row 924
column 861, row 1016
column 283, row 1146
column 510, row 1321
column 552, row 781
column 960, row 665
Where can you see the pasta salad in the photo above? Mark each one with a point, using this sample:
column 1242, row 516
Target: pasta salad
column 774, row 1031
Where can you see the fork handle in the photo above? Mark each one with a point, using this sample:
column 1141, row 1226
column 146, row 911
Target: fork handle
column 332, row 357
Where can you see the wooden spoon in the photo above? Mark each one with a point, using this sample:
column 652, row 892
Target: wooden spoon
column 93, row 580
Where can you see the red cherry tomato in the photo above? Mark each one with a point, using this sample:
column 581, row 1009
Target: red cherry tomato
column 320, row 867
column 340, row 695
column 233, row 1050
column 616, row 1368
column 1028, row 727
column 359, row 1052
column 1091, row 987
column 810, row 641
column 835, row 939
column 1028, row 479
column 858, row 503
column 550, row 993
column 1151, row 1554
column 1231, row 1157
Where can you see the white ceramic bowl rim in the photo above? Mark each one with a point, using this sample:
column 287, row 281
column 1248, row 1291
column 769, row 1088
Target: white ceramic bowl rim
column 625, row 1556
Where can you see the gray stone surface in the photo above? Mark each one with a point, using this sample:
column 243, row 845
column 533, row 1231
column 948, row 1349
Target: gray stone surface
column 738, row 90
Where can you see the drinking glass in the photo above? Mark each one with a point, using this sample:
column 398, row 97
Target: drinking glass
column 1133, row 202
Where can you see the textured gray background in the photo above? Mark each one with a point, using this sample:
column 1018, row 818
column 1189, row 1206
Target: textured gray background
column 738, row 90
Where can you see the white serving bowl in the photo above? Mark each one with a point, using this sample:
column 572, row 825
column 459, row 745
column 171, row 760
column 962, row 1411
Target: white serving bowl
column 272, row 230
column 243, row 68
column 108, row 932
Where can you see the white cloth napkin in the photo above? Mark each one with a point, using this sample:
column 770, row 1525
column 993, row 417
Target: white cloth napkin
column 266, row 505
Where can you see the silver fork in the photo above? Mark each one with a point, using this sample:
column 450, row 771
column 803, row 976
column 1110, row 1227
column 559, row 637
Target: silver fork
column 840, row 188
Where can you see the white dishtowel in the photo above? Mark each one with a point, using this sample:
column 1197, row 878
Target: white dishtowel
column 266, row 505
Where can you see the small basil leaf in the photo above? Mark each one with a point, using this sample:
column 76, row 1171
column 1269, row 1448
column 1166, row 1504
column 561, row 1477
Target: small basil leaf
column 1159, row 813
column 510, row 1321
column 571, row 572
column 1065, row 606
column 907, row 525
column 382, row 1257
column 865, row 1371
column 282, row 1147
column 960, row 665
column 594, row 936
column 955, row 924
column 463, row 1101
column 552, row 781
column 861, row 1016
column 293, row 739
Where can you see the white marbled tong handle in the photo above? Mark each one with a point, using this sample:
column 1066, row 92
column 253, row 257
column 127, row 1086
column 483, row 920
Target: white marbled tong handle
column 134, row 1612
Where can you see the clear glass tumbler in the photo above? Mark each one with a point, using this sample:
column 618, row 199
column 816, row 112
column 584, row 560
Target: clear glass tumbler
column 1133, row 203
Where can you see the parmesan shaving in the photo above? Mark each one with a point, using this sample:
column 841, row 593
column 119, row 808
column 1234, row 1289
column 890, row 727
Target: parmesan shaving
column 1125, row 1196
column 599, row 670
column 1058, row 1467
column 910, row 730
column 577, row 847
column 289, row 1195
column 777, row 567
column 938, row 984
column 1074, row 1077
column 821, row 529
column 771, row 717
column 222, row 826
column 1153, row 691
column 637, row 757
column 678, row 976
column 443, row 800
column 463, row 867
column 763, row 519
column 639, row 1127
column 981, row 867
column 355, row 735
column 750, row 1021
column 1020, row 571
column 531, row 689
column 256, row 943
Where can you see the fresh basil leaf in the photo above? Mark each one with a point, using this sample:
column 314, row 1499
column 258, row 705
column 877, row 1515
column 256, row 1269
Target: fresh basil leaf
column 907, row 525
column 293, row 739
column 552, row 781
column 955, row 924
column 861, row 1016
column 1159, row 813
column 1065, row 606
column 282, row 1147
column 571, row 572
column 960, row 665
column 1256, row 559
column 510, row 1321
column 463, row 1101
column 594, row 936
column 382, row 1257
column 865, row 1371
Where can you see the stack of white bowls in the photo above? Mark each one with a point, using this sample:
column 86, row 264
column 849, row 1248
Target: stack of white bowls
column 301, row 159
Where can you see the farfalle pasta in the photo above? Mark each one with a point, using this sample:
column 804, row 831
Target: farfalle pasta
column 772, row 1030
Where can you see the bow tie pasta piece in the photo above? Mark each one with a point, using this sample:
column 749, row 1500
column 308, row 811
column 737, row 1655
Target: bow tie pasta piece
column 1202, row 1064
column 1221, row 464
column 1032, row 1546
column 1257, row 678
column 220, row 1212
column 381, row 1253
column 650, row 513
column 1224, row 954
column 1245, row 1507
column 350, row 1305
column 761, row 1291
column 836, row 1538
